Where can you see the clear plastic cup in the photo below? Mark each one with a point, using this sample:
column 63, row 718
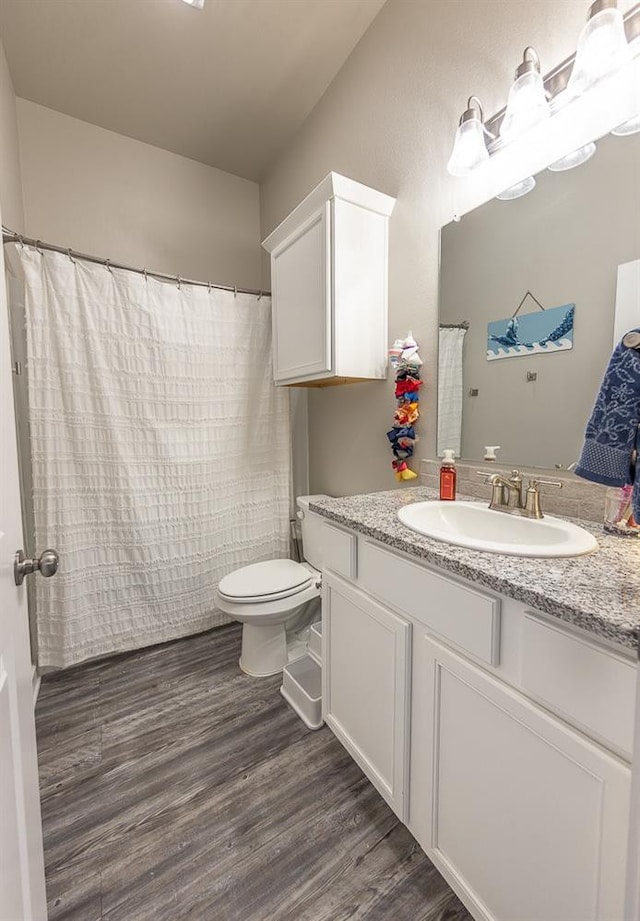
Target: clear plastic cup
column 618, row 512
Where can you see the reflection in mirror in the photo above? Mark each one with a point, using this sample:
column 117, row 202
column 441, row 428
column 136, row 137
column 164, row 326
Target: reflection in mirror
column 529, row 383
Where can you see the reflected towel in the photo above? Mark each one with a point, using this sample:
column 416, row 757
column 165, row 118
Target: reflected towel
column 450, row 387
column 613, row 431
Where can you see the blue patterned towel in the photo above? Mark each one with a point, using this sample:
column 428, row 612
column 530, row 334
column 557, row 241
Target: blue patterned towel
column 613, row 433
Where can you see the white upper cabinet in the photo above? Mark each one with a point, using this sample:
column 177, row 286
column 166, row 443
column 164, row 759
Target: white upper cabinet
column 329, row 285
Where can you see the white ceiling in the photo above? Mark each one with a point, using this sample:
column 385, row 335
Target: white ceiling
column 228, row 85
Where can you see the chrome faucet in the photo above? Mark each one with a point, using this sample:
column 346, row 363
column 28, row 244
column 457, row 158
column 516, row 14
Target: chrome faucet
column 507, row 494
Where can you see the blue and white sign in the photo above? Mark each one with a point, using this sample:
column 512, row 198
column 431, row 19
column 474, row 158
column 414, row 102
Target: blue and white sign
column 545, row 331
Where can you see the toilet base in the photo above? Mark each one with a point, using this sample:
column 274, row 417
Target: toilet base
column 264, row 650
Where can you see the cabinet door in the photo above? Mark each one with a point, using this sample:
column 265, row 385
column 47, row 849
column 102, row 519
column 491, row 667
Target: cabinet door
column 366, row 685
column 301, row 285
column 528, row 818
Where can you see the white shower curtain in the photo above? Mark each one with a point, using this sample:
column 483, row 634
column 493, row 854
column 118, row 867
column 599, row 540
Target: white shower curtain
column 159, row 450
column 450, row 384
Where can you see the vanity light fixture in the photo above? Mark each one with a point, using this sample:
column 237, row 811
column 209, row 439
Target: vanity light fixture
column 469, row 146
column 197, row 4
column 554, row 121
column 632, row 126
column 527, row 104
column 518, row 190
column 602, row 47
column 575, row 158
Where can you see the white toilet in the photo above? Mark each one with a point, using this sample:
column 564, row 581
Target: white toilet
column 269, row 599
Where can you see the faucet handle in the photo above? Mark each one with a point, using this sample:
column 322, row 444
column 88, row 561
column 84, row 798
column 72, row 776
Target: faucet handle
column 487, row 475
column 535, row 483
column 532, row 504
column 495, row 480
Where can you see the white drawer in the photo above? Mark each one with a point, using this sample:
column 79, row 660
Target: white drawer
column 590, row 686
column 466, row 617
column 329, row 547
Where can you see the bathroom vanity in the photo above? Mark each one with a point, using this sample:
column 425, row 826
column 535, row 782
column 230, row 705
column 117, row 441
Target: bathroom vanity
column 490, row 700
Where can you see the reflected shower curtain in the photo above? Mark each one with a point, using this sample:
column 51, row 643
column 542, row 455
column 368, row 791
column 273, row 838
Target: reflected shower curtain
column 450, row 346
column 159, row 450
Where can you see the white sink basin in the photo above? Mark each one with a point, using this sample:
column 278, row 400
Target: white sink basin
column 469, row 524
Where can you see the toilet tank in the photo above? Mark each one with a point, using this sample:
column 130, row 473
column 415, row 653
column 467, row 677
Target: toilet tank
column 313, row 534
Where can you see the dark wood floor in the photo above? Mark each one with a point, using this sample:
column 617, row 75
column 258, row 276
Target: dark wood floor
column 175, row 787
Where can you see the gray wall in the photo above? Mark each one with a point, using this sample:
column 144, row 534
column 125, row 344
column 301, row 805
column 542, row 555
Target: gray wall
column 564, row 242
column 103, row 193
column 388, row 120
column 10, row 179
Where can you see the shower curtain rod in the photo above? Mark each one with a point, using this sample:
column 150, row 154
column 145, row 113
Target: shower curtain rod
column 10, row 236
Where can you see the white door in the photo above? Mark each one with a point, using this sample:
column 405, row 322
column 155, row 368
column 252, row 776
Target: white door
column 22, row 892
column 365, row 695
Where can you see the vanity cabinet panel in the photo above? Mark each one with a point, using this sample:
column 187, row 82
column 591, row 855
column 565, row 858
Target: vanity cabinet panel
column 526, row 817
column 590, row 686
column 459, row 613
column 365, row 693
column 329, row 285
column 328, row 546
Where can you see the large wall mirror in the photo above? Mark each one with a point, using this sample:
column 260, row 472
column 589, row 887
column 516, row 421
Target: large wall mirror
column 514, row 384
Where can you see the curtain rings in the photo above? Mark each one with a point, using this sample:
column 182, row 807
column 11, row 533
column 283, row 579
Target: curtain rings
column 38, row 250
column 235, row 291
column 70, row 256
column 209, row 287
column 260, row 294
column 108, row 266
column 179, row 280
column 146, row 277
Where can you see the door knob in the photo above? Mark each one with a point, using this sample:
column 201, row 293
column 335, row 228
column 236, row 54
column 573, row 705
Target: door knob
column 46, row 564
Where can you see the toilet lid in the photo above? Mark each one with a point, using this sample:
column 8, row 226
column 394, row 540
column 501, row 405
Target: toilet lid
column 270, row 580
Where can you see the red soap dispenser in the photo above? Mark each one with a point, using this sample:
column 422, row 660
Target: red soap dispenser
column 448, row 476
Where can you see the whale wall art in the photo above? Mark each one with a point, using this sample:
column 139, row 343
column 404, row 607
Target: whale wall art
column 548, row 331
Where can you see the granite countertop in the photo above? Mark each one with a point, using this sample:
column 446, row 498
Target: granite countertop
column 599, row 592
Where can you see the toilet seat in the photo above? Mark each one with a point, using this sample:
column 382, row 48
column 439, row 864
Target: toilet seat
column 265, row 582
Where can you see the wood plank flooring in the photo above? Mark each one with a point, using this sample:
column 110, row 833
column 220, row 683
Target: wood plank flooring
column 175, row 787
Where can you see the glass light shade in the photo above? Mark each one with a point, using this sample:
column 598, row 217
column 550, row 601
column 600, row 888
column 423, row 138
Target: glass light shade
column 602, row 49
column 632, row 87
column 632, row 126
column 518, row 190
column 575, row 158
column 527, row 106
column 469, row 148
